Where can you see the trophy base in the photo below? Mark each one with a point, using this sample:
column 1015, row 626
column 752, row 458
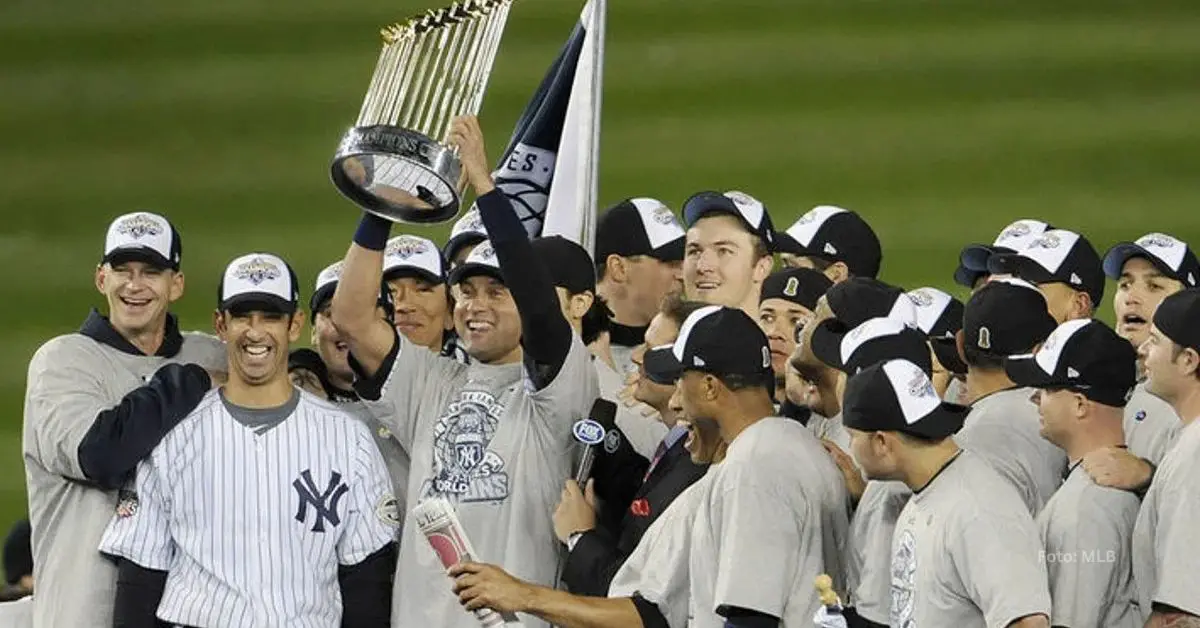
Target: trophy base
column 398, row 174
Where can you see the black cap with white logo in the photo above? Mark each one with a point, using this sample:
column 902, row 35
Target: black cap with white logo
column 1176, row 318
column 1005, row 317
column 858, row 299
column 467, row 230
column 258, row 281
column 877, row 340
column 143, row 237
column 939, row 314
column 973, row 260
column 802, row 286
column 717, row 340
column 639, row 226
column 898, row 396
column 1083, row 355
column 747, row 209
column 1171, row 256
column 326, row 285
column 836, row 235
column 481, row 261
column 1056, row 256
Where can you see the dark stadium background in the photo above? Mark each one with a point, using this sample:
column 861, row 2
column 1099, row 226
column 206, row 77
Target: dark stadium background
column 938, row 121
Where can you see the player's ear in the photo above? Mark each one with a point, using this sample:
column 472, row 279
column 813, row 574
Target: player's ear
column 614, row 266
column 176, row 288
column 580, row 304
column 762, row 268
column 838, row 272
column 219, row 323
column 296, row 326
column 100, row 273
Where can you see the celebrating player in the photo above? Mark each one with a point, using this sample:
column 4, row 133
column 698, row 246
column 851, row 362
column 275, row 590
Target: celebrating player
column 1083, row 374
column 1164, row 537
column 493, row 437
column 965, row 551
column 835, row 241
column 265, row 505
column 97, row 402
column 972, row 271
column 727, row 255
column 639, row 255
column 415, row 274
column 785, row 306
column 1064, row 266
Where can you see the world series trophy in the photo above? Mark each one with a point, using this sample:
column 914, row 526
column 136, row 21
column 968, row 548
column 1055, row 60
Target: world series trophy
column 433, row 68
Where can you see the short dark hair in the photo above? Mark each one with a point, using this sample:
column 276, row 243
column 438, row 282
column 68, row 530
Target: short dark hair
column 675, row 307
column 743, row 381
column 982, row 359
column 761, row 249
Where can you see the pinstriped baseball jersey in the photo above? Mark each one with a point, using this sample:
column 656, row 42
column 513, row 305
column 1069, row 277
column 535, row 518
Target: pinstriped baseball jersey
column 252, row 521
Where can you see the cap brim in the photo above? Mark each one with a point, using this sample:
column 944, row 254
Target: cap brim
column 258, row 301
column 1114, row 260
column 946, row 351
column 974, row 257
column 472, row 269
column 1020, row 267
column 137, row 254
column 319, row 297
column 465, row 238
column 1025, row 372
column 785, row 243
column 827, row 343
column 966, row 277
column 945, row 421
column 661, row 367
column 670, row 252
column 397, row 272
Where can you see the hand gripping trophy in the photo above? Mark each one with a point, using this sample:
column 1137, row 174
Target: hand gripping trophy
column 433, row 68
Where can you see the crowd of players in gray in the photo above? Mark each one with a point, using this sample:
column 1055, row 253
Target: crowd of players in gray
column 781, row 414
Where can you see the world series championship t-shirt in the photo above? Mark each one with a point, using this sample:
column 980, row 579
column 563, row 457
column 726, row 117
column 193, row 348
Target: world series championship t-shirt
column 482, row 437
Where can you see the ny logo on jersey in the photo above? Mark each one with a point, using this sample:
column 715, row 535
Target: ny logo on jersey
column 325, row 503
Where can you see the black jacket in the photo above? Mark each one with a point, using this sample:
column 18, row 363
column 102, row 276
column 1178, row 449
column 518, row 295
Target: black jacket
column 631, row 505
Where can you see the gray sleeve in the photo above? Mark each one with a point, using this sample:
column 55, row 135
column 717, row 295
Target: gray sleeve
column 569, row 396
column 657, row 570
column 997, row 560
column 64, row 395
column 1176, row 539
column 754, row 571
column 397, row 389
column 1087, row 552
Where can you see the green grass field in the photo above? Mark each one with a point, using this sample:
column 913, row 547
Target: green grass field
column 939, row 121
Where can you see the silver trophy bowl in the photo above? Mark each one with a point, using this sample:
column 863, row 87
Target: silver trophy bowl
column 398, row 174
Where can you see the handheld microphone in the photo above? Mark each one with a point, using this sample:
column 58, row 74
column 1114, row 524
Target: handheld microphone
column 590, row 432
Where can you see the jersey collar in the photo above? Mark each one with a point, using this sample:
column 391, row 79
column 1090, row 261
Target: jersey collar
column 97, row 327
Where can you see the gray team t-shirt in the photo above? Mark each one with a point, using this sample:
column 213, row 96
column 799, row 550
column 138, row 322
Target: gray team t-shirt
column 830, row 428
column 776, row 490
column 869, row 557
column 1151, row 425
column 657, row 570
column 1086, row 530
column 965, row 553
column 72, row 378
column 1166, row 535
column 483, row 438
column 1004, row 428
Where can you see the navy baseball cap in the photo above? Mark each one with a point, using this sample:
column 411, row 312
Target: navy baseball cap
column 859, row 299
column 467, row 230
column 851, row 350
column 802, row 286
column 1176, row 318
column 898, row 396
column 717, row 340
column 747, row 209
column 143, row 237
column 481, row 261
column 1171, row 256
column 836, row 235
column 569, row 264
column 259, row 281
column 1083, row 355
column 973, row 259
column 1056, row 256
column 639, row 226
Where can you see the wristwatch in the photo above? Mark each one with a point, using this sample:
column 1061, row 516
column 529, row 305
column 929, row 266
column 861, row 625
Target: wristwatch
column 572, row 540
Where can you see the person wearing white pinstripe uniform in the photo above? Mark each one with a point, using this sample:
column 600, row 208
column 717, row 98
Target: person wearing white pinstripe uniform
column 265, row 506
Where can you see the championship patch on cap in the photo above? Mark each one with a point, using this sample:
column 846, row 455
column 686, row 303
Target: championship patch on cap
column 410, row 254
column 259, row 279
column 145, row 237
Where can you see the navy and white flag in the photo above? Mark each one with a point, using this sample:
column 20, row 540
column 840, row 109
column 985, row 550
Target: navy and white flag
column 552, row 158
